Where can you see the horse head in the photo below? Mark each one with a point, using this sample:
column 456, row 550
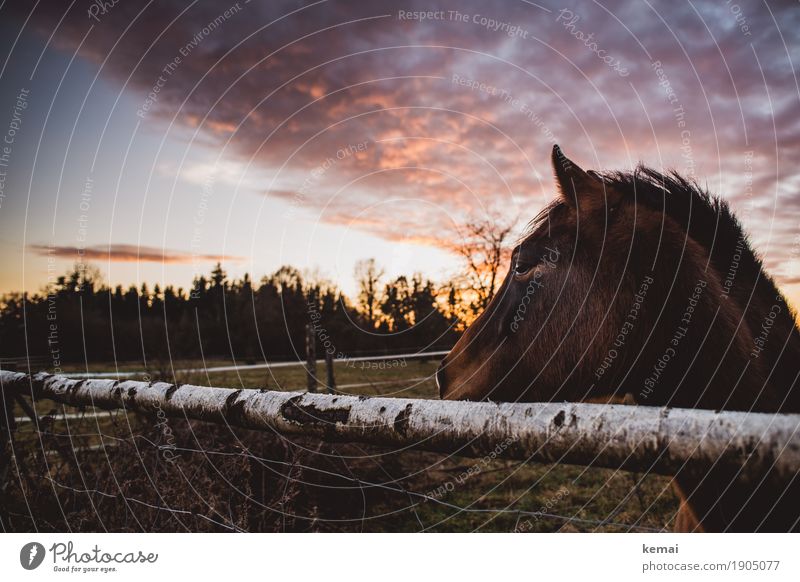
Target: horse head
column 634, row 284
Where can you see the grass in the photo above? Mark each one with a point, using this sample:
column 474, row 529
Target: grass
column 414, row 380
column 330, row 487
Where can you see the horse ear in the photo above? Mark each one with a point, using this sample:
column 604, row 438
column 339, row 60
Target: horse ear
column 583, row 190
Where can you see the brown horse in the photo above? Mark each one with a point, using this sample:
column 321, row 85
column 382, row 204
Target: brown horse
column 639, row 285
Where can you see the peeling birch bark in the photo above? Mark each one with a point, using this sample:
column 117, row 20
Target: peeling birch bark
column 647, row 439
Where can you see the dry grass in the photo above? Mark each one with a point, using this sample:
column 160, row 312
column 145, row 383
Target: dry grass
column 218, row 478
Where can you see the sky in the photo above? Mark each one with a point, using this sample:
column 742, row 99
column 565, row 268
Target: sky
column 157, row 138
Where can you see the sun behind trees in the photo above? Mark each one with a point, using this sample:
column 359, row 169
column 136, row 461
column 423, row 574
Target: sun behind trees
column 483, row 245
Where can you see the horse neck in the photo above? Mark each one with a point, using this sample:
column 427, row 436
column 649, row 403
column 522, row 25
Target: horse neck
column 705, row 337
column 776, row 338
column 771, row 322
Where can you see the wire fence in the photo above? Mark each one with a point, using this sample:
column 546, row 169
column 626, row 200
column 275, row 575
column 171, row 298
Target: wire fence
column 161, row 469
column 79, row 476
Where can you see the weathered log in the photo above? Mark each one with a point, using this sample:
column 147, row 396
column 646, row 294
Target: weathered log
column 658, row 440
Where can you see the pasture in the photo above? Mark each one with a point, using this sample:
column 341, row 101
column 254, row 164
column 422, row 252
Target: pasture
column 126, row 472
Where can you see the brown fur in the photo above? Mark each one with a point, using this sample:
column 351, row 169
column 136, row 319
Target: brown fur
column 553, row 332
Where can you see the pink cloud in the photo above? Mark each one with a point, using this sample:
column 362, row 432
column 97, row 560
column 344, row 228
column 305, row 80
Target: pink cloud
column 124, row 253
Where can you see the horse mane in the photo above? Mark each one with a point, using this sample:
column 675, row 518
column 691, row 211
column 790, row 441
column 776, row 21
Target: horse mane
column 543, row 217
column 707, row 219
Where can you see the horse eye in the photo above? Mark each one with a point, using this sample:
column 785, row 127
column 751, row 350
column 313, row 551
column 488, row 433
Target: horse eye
column 522, row 267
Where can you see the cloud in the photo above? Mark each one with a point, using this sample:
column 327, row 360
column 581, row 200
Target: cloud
column 124, row 253
column 291, row 85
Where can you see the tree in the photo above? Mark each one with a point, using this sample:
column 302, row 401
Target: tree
column 397, row 304
column 368, row 275
column 218, row 276
column 482, row 244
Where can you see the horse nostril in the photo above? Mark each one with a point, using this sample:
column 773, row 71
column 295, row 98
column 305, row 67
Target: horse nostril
column 440, row 380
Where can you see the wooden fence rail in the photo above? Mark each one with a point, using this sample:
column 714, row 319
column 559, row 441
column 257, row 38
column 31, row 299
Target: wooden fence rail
column 658, row 440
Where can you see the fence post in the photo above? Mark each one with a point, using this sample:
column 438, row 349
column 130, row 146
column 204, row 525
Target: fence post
column 311, row 359
column 7, row 425
column 331, row 381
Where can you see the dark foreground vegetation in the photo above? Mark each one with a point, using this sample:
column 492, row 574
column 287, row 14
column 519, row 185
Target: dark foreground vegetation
column 137, row 472
column 202, row 477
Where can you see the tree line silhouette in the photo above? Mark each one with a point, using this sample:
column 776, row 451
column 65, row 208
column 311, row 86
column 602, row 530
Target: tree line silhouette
column 78, row 318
